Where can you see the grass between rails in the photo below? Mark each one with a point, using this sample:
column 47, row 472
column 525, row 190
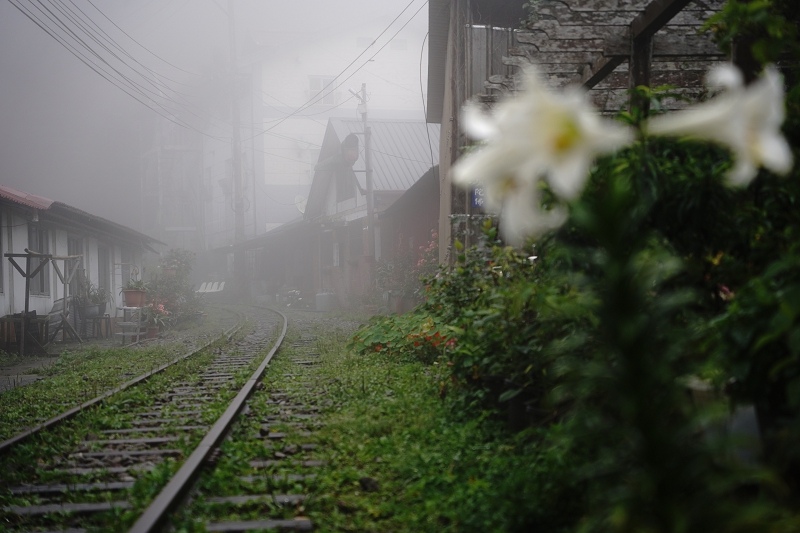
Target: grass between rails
column 77, row 376
column 43, row 459
column 39, row 461
column 232, row 474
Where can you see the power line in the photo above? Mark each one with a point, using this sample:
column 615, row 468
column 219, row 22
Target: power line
column 422, row 95
column 158, row 84
column 140, row 44
column 80, row 24
column 322, row 93
column 50, row 23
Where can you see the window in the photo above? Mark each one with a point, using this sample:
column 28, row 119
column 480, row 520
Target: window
column 75, row 247
column 318, row 84
column 39, row 241
column 103, row 268
column 126, row 266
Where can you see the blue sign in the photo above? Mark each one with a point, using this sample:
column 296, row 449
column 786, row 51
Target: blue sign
column 477, row 197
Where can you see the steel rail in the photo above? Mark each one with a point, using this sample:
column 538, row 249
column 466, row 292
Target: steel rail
column 6, row 445
column 152, row 519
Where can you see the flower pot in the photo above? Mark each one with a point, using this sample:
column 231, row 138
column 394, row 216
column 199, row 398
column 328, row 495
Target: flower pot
column 133, row 297
column 93, row 310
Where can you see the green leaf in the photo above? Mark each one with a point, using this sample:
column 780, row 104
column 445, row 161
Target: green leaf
column 507, row 395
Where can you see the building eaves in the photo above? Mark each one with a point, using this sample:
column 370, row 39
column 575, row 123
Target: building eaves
column 401, row 151
column 75, row 215
column 426, row 186
column 23, row 198
column 61, row 212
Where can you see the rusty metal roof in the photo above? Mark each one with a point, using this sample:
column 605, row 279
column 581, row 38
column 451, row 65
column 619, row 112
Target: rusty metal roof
column 61, row 212
column 24, row 198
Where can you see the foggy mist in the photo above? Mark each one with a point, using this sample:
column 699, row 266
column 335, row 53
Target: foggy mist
column 71, row 135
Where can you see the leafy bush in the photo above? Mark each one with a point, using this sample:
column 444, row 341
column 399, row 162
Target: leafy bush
column 412, row 336
column 173, row 290
column 666, row 264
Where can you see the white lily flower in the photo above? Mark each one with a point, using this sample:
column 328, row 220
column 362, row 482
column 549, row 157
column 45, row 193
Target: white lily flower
column 536, row 135
column 746, row 120
column 523, row 216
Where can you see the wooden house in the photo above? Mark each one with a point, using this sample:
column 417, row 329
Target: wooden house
column 48, row 245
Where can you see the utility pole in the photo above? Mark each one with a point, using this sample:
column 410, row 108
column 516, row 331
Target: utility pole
column 236, row 159
column 370, row 196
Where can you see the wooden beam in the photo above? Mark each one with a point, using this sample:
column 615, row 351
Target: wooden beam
column 599, row 69
column 655, row 16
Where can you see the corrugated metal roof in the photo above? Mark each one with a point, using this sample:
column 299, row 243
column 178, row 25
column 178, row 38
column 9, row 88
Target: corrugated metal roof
column 401, row 151
column 24, row 198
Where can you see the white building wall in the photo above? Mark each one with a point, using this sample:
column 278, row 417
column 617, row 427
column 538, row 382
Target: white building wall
column 15, row 240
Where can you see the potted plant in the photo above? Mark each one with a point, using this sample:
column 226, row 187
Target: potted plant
column 96, row 300
column 91, row 299
column 134, row 293
column 156, row 317
column 177, row 262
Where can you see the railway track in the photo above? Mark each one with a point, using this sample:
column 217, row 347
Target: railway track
column 230, row 331
column 147, row 458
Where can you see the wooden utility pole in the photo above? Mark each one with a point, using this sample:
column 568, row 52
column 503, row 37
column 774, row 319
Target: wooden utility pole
column 236, row 159
column 370, row 195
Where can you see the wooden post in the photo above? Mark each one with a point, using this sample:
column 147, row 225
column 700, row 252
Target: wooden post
column 71, row 264
column 655, row 16
column 640, row 69
column 44, row 259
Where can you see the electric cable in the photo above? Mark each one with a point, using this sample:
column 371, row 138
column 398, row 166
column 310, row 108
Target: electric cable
column 156, row 83
column 424, row 108
column 125, row 84
column 322, row 92
column 140, row 44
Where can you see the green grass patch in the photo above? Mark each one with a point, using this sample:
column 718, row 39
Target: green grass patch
column 84, row 373
column 401, row 459
column 75, row 378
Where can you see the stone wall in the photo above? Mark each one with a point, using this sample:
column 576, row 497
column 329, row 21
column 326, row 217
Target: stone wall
column 571, row 41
